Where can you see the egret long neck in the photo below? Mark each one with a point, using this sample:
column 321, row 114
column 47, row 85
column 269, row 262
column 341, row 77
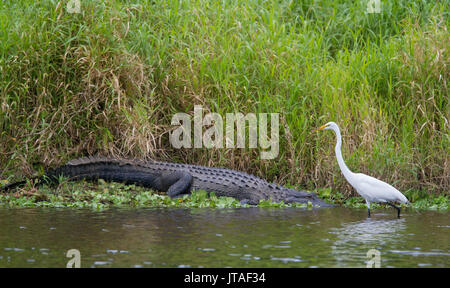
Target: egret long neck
column 347, row 173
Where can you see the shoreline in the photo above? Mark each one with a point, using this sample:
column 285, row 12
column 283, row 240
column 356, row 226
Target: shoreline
column 104, row 195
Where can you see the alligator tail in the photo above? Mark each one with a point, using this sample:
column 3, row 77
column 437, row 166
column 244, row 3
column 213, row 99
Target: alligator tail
column 12, row 186
column 92, row 169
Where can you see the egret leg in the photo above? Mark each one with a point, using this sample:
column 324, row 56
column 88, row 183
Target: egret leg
column 398, row 208
column 368, row 208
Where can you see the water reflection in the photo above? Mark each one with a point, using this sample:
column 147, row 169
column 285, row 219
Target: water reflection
column 354, row 239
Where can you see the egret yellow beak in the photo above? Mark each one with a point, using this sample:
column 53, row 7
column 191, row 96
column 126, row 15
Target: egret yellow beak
column 320, row 128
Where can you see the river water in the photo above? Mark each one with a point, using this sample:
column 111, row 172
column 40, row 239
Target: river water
column 244, row 237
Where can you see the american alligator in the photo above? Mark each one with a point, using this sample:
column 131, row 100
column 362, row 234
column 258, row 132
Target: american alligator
column 177, row 179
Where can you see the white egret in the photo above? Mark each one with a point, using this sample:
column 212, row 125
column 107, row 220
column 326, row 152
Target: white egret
column 371, row 189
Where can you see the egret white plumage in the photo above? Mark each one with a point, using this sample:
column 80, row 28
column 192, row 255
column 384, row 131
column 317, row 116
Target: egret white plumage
column 371, row 189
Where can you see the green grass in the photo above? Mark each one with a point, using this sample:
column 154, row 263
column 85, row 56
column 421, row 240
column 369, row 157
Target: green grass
column 108, row 80
column 103, row 195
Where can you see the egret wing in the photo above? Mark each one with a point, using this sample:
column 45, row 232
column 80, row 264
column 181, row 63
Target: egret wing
column 376, row 190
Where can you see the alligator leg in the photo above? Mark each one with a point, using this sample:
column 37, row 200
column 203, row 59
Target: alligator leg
column 175, row 183
column 247, row 201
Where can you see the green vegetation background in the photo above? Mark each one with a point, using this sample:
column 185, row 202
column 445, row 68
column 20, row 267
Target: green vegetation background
column 109, row 79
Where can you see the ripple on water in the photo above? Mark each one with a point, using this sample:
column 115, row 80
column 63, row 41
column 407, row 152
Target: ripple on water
column 268, row 246
column 286, row 260
column 420, row 253
column 424, row 264
column 14, row 249
column 249, row 257
column 206, row 249
column 101, row 263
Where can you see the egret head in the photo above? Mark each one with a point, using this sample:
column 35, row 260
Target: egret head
column 329, row 125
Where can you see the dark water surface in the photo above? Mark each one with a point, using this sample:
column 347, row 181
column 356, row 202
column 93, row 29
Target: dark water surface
column 246, row 237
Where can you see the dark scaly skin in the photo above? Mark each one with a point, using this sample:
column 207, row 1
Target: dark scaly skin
column 177, row 179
